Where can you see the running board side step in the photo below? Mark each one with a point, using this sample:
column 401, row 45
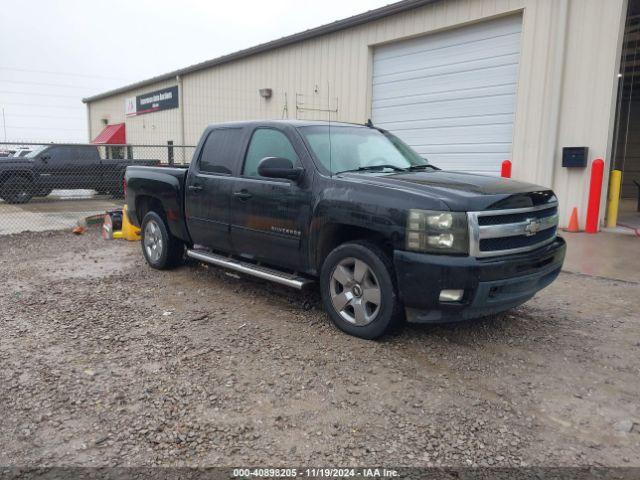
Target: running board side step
column 276, row 276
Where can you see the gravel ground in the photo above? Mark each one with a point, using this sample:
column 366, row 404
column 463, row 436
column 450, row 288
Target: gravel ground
column 107, row 362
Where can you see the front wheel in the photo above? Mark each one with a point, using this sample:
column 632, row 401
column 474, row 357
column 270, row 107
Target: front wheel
column 358, row 290
column 17, row 189
column 160, row 248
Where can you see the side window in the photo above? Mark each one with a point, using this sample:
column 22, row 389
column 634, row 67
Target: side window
column 267, row 142
column 54, row 154
column 219, row 154
column 60, row 155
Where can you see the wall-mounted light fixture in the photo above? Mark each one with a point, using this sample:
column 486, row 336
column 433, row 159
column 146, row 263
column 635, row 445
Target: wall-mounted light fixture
column 265, row 92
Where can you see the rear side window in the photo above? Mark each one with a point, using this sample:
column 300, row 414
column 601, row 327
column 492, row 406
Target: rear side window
column 267, row 142
column 219, row 154
column 82, row 154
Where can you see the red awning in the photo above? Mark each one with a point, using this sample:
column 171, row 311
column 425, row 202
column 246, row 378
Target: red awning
column 112, row 134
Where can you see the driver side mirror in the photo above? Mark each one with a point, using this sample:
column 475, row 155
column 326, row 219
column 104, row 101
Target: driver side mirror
column 278, row 167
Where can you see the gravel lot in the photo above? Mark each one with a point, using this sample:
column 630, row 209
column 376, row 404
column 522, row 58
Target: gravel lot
column 107, row 362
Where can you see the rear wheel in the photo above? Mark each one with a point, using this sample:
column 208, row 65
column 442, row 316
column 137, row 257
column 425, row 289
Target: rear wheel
column 159, row 247
column 358, row 290
column 17, row 190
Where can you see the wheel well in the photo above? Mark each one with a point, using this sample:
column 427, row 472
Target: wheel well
column 146, row 204
column 7, row 175
column 333, row 235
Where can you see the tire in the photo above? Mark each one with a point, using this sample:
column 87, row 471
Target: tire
column 355, row 276
column 44, row 192
column 161, row 250
column 17, row 190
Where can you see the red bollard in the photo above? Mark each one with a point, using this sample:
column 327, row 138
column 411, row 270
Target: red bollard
column 506, row 169
column 595, row 192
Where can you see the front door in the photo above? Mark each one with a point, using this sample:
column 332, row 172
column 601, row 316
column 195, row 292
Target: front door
column 52, row 167
column 269, row 215
column 208, row 189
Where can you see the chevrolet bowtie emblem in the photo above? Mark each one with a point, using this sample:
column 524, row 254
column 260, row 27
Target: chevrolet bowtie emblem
column 533, row 227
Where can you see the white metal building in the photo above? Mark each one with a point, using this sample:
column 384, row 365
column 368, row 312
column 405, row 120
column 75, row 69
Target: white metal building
column 467, row 83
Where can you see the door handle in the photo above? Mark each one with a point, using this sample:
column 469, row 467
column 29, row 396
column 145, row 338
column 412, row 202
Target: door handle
column 242, row 195
column 195, row 188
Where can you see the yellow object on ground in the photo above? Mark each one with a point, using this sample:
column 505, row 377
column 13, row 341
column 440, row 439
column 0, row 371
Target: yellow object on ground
column 129, row 231
column 613, row 198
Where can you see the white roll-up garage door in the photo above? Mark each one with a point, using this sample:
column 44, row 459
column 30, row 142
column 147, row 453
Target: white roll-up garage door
column 452, row 95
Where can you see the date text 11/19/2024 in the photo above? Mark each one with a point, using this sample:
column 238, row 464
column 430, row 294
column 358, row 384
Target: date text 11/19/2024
column 314, row 472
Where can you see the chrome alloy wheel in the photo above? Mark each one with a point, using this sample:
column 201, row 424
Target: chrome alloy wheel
column 355, row 291
column 153, row 243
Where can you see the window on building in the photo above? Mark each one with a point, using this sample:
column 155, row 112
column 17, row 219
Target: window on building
column 219, row 154
column 267, row 142
column 116, row 153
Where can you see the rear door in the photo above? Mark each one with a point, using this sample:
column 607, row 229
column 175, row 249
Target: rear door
column 208, row 188
column 88, row 167
column 270, row 215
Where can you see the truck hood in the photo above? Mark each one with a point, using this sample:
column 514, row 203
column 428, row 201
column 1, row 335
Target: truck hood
column 460, row 191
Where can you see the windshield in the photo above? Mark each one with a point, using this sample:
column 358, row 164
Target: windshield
column 354, row 148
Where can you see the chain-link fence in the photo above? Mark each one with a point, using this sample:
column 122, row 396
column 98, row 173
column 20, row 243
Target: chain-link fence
column 51, row 186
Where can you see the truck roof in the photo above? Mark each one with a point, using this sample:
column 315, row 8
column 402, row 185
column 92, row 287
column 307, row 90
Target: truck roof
column 293, row 123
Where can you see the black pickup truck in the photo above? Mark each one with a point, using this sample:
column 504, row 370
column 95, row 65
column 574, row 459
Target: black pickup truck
column 387, row 235
column 50, row 167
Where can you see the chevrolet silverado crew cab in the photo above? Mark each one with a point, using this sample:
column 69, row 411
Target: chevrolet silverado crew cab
column 386, row 235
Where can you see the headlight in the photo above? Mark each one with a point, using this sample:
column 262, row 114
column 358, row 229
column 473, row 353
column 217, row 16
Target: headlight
column 437, row 232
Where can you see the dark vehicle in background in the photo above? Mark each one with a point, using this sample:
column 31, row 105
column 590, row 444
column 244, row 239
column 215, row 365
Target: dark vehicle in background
column 49, row 167
column 21, row 152
column 6, row 152
column 387, row 235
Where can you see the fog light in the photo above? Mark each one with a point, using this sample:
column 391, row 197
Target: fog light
column 451, row 295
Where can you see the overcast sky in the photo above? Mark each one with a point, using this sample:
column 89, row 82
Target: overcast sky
column 55, row 52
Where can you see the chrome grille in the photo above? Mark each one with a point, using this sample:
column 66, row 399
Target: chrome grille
column 503, row 232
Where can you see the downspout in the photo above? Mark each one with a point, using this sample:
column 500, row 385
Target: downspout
column 88, row 122
column 181, row 115
column 556, row 89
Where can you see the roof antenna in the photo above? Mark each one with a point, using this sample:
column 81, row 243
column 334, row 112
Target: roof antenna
column 369, row 124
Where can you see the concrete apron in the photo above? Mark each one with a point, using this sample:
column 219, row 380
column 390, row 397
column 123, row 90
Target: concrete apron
column 604, row 254
column 51, row 213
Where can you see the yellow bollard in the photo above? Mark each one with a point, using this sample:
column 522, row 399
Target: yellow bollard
column 613, row 198
column 129, row 232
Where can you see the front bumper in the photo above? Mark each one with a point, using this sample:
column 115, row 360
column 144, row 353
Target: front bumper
column 490, row 285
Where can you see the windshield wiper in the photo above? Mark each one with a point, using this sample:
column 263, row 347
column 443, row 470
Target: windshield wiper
column 373, row 168
column 413, row 168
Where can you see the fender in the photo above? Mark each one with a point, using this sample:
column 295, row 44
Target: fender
column 334, row 218
column 6, row 173
column 165, row 186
